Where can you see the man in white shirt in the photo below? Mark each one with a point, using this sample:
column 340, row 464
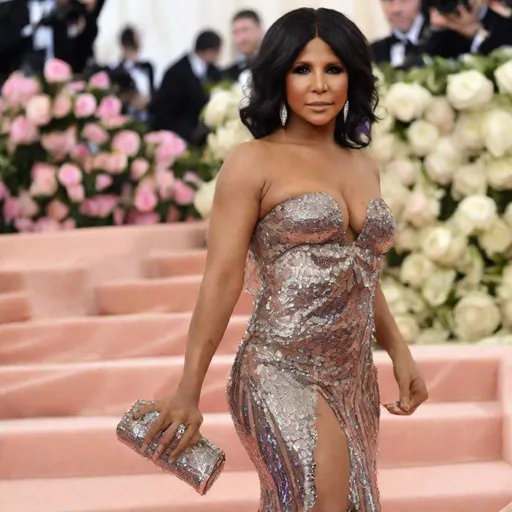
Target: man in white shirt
column 410, row 31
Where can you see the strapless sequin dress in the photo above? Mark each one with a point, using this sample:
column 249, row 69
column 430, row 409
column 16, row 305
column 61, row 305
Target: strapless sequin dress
column 311, row 333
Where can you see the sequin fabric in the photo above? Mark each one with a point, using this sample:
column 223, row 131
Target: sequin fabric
column 310, row 335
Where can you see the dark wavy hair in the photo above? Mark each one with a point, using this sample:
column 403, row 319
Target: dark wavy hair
column 279, row 49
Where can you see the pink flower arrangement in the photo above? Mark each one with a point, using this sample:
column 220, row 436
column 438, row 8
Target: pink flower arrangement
column 74, row 160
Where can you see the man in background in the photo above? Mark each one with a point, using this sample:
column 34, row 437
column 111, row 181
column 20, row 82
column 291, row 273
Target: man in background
column 185, row 90
column 247, row 33
column 410, row 32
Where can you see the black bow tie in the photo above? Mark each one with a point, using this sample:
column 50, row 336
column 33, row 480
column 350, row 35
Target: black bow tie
column 396, row 40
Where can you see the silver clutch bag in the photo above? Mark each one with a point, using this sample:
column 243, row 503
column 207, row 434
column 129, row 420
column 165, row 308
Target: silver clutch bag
column 199, row 465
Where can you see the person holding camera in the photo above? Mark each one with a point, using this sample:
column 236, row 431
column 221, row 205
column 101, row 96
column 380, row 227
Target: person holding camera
column 468, row 26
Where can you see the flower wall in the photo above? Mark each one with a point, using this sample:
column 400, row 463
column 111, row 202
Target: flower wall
column 445, row 149
column 69, row 158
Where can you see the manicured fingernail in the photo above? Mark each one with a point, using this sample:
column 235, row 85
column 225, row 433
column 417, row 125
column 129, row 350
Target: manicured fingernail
column 404, row 406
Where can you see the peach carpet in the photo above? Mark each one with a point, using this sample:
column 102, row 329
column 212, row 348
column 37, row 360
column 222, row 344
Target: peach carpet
column 94, row 319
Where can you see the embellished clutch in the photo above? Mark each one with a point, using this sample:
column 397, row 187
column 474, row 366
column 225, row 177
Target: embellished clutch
column 199, row 465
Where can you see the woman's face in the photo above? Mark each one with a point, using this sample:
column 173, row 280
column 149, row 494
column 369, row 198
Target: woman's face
column 317, row 84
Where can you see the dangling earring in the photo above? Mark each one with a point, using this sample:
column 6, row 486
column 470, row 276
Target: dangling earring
column 345, row 111
column 283, row 114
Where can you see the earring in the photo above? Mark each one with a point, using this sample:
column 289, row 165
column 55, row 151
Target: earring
column 283, row 114
column 345, row 111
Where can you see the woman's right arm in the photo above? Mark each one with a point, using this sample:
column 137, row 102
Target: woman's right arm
column 234, row 215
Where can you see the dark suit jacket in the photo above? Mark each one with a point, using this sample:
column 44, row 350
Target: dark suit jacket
column 148, row 70
column 449, row 44
column 180, row 99
column 233, row 72
column 381, row 49
column 85, row 41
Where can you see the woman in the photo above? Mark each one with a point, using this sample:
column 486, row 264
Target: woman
column 303, row 390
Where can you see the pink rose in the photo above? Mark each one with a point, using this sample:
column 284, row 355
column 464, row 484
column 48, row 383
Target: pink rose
column 173, row 215
column 127, row 142
column 12, row 209
column 46, row 225
column 109, row 107
column 103, row 181
column 139, row 168
column 145, row 199
column 119, row 216
column 95, row 134
column 18, row 89
column 68, row 224
column 57, row 210
column 69, row 174
column 39, row 109
column 143, row 219
column 76, row 193
column 23, row 132
column 101, row 161
column 44, row 180
column 85, row 105
column 24, row 225
column 183, row 193
column 167, row 153
column 59, row 144
column 99, row 80
column 99, row 206
column 192, row 177
column 116, row 163
column 28, row 207
column 165, row 183
column 3, row 191
column 57, row 71
column 116, row 122
column 80, row 153
column 61, row 106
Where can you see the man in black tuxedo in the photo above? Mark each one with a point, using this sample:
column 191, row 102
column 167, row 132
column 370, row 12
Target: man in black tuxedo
column 475, row 27
column 184, row 90
column 410, row 31
column 247, row 33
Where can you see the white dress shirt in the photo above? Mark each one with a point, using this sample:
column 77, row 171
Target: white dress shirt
column 199, row 66
column 397, row 52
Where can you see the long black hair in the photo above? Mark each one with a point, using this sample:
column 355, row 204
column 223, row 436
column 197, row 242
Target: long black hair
column 279, row 49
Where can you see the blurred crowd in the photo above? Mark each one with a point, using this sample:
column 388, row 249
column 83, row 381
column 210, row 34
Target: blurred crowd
column 33, row 31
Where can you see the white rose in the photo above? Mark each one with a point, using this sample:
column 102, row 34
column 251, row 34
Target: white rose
column 506, row 313
column 408, row 327
column 223, row 105
column 432, row 336
column 503, row 75
column 416, row 269
column 475, row 213
column 469, row 180
column 507, row 216
column 226, row 138
column 441, row 114
column 497, row 239
column 386, row 121
column 203, row 199
column 442, row 245
column 423, row 136
column 406, row 238
column 407, row 170
column 395, row 296
column 468, row 132
column 422, row 208
column 384, row 147
column 497, row 340
column 469, row 90
column 496, row 129
column 416, row 304
column 476, row 316
column 504, row 290
column 442, row 163
column 472, row 265
column 499, row 172
column 407, row 102
column 437, row 289
column 39, row 109
column 244, row 81
column 394, row 193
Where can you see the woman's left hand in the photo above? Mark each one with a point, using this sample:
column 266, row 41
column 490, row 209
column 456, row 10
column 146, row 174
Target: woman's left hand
column 412, row 387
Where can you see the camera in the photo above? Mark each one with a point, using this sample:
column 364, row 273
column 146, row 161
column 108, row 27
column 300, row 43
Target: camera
column 447, row 6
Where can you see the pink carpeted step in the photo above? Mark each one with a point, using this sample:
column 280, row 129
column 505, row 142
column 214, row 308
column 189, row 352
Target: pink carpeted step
column 481, row 487
column 58, row 447
column 15, row 307
column 168, row 295
column 109, row 387
column 68, row 340
column 175, row 263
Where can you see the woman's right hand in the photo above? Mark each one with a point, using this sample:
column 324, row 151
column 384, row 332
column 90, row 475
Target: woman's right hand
column 175, row 410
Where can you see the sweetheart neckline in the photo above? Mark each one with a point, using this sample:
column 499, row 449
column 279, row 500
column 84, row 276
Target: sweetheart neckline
column 337, row 206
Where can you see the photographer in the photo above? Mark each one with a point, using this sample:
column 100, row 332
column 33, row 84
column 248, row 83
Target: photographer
column 468, row 26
